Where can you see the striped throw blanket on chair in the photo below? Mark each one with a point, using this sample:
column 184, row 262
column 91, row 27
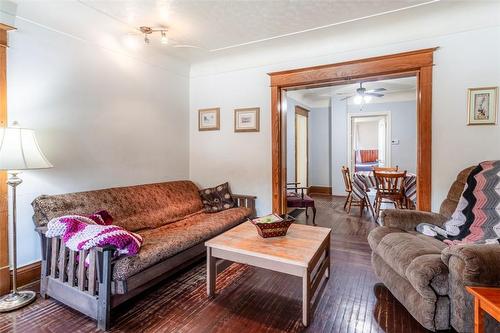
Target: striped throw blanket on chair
column 477, row 216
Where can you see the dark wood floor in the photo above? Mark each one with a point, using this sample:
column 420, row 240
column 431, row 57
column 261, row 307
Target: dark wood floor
column 250, row 299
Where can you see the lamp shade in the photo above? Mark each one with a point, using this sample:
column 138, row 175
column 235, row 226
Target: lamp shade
column 19, row 150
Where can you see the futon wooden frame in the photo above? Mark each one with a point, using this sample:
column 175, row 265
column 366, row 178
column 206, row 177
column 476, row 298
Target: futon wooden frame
column 90, row 289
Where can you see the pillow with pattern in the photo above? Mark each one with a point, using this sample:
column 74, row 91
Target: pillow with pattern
column 218, row 198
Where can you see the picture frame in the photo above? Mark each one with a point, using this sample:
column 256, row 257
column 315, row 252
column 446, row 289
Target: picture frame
column 247, row 120
column 482, row 106
column 209, row 119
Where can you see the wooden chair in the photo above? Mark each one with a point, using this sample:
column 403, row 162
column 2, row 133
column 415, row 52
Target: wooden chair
column 351, row 200
column 390, row 189
column 294, row 199
column 389, row 169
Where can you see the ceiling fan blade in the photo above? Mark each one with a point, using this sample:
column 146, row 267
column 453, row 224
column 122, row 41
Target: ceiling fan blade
column 374, row 94
column 376, row 90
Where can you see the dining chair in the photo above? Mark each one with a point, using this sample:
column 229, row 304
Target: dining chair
column 390, row 189
column 296, row 198
column 393, row 169
column 352, row 200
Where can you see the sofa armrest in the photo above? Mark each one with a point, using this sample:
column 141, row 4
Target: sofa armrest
column 246, row 201
column 476, row 264
column 409, row 219
column 41, row 229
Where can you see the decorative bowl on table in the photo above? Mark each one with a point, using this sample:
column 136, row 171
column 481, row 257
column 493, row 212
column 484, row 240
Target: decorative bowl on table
column 272, row 225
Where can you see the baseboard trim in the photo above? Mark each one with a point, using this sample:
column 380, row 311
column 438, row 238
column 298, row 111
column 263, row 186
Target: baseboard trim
column 321, row 190
column 4, row 280
column 27, row 274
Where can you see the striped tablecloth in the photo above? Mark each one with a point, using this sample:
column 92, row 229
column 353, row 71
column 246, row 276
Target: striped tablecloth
column 364, row 180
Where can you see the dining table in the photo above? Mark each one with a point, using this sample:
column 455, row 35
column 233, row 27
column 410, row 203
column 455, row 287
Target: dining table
column 363, row 181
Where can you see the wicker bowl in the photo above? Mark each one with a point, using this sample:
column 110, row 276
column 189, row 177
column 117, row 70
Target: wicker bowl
column 274, row 229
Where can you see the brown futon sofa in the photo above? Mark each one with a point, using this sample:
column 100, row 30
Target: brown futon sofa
column 170, row 218
column 427, row 276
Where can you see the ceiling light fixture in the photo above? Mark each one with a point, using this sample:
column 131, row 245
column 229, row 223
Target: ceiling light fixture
column 358, row 99
column 147, row 31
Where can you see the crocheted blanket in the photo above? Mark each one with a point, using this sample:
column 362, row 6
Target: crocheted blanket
column 477, row 216
column 85, row 232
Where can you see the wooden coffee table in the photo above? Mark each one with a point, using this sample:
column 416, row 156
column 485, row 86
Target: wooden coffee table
column 303, row 252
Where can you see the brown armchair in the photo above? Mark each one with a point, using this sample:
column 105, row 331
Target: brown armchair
column 427, row 276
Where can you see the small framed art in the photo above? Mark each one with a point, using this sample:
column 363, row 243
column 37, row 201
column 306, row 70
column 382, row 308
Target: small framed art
column 482, row 106
column 209, row 119
column 247, row 120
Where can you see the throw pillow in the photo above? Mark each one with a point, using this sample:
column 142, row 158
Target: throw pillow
column 218, row 198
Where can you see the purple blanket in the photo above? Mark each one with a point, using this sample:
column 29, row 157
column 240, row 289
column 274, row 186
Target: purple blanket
column 85, row 232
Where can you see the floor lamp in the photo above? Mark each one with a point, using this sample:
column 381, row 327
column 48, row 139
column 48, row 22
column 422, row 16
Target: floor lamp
column 19, row 150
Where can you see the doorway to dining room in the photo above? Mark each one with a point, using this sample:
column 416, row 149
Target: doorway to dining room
column 379, row 131
column 417, row 64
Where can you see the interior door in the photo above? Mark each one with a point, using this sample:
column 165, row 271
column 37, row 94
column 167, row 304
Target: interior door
column 301, row 146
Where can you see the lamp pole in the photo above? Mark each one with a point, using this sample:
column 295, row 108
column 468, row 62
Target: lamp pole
column 19, row 150
column 13, row 181
column 16, row 299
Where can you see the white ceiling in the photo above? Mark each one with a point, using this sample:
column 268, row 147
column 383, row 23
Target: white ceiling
column 397, row 90
column 209, row 25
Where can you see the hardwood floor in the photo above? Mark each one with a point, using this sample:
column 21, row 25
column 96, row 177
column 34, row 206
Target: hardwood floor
column 250, row 299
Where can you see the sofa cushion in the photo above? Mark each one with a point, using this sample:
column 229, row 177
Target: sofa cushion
column 376, row 235
column 170, row 239
column 432, row 312
column 216, row 199
column 413, row 256
column 399, row 249
column 132, row 207
column 450, row 203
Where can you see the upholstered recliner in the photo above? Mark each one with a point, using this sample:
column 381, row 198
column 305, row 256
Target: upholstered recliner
column 426, row 275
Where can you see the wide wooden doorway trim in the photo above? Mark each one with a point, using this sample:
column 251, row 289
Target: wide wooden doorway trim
column 4, row 237
column 418, row 63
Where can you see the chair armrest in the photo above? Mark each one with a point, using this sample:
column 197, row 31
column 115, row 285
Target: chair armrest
column 408, row 219
column 476, row 264
column 243, row 196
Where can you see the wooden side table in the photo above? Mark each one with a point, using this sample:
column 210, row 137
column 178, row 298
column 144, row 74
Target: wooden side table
column 485, row 300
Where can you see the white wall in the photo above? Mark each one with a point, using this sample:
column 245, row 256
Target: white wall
column 339, row 144
column 367, row 134
column 459, row 29
column 243, row 159
column 102, row 118
column 319, row 147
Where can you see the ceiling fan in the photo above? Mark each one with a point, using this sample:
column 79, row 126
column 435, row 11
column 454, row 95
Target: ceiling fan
column 364, row 96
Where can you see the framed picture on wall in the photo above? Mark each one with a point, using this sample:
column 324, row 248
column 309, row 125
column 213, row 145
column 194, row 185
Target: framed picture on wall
column 482, row 106
column 209, row 119
column 247, row 120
